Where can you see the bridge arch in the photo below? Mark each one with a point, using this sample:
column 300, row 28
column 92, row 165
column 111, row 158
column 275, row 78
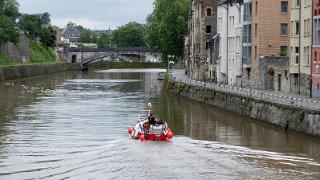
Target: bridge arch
column 73, row 59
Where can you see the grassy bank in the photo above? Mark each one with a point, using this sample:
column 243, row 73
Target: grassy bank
column 41, row 54
column 38, row 55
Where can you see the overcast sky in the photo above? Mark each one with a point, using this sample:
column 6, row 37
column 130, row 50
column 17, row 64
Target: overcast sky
column 93, row 14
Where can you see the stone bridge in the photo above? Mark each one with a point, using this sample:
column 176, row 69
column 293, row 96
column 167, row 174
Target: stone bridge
column 84, row 56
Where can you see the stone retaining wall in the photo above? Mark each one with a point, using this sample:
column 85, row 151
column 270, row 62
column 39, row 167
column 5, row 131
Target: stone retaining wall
column 23, row 71
column 124, row 65
column 288, row 117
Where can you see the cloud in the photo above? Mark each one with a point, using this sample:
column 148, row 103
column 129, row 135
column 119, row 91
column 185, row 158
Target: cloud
column 94, row 14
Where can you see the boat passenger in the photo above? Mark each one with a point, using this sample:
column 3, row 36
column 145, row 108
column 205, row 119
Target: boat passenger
column 152, row 120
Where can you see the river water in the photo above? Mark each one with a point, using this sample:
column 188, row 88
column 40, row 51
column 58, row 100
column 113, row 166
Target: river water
column 74, row 126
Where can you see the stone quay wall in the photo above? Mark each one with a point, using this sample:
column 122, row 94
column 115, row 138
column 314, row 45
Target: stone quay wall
column 293, row 117
column 24, row 71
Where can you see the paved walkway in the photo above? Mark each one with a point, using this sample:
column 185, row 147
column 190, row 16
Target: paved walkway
column 270, row 96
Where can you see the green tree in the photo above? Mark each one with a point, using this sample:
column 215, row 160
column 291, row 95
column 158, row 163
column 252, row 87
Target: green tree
column 166, row 28
column 94, row 38
column 130, row 35
column 8, row 14
column 8, row 31
column 31, row 24
column 45, row 18
column 86, row 36
column 48, row 37
column 103, row 41
column 9, row 8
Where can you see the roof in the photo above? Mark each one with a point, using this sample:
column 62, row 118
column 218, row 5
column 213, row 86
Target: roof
column 70, row 31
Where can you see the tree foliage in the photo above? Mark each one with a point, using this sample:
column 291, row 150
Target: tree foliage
column 48, row 37
column 86, row 36
column 103, row 41
column 9, row 8
column 8, row 14
column 45, row 18
column 166, row 28
column 31, row 24
column 130, row 35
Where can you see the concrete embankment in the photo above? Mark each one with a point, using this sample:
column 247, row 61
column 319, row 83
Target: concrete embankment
column 288, row 117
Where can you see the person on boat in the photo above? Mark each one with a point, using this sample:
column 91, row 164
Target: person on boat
column 151, row 119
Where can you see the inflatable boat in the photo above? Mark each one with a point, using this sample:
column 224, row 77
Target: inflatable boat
column 145, row 131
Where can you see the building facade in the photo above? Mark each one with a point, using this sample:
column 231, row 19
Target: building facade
column 202, row 28
column 58, row 41
column 246, row 42
column 227, row 53
column 270, row 34
column 316, row 50
column 300, row 45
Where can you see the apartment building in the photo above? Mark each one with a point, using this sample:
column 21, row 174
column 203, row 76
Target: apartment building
column 202, row 29
column 300, row 44
column 270, row 35
column 227, row 53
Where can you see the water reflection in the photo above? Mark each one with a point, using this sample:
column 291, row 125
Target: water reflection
column 210, row 123
column 74, row 125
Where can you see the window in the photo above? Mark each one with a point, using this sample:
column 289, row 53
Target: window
column 316, row 31
column 247, row 12
column 208, row 29
column 308, row 56
column 284, row 6
column 297, row 55
column 256, row 30
column 247, row 33
column 307, row 3
column 256, row 7
column 255, row 52
column 307, row 27
column 284, row 29
column 208, row 12
column 283, row 50
column 297, row 28
column 317, row 69
column 297, row 3
column 318, row 86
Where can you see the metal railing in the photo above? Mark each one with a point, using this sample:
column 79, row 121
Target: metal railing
column 305, row 103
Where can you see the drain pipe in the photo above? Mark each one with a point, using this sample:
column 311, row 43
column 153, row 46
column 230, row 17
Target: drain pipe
column 311, row 60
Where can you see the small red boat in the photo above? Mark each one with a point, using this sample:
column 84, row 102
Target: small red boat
column 151, row 132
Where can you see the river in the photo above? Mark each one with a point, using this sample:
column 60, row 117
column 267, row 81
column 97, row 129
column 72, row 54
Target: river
column 74, row 126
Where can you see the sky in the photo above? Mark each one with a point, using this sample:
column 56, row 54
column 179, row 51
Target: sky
column 93, row 14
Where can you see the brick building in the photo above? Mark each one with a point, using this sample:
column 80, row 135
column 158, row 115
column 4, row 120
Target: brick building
column 316, row 50
column 270, row 34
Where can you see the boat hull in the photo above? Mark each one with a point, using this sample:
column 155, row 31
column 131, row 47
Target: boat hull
column 151, row 136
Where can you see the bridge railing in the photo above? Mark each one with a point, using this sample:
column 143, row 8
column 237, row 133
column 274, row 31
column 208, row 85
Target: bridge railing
column 130, row 49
